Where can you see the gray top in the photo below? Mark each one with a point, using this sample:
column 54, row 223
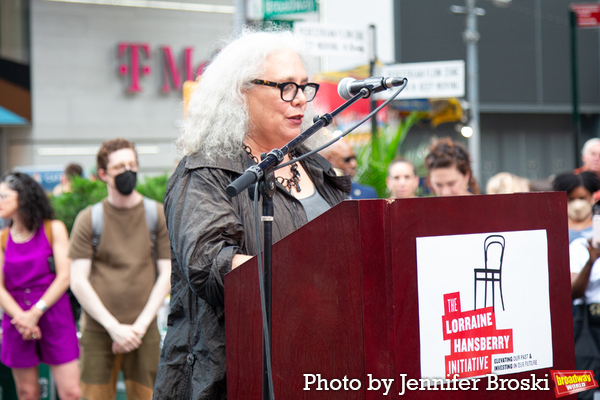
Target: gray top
column 314, row 205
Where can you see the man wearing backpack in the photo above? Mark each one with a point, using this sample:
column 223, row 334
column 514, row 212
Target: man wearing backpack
column 120, row 274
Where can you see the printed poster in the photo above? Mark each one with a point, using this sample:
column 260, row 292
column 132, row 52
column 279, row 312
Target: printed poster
column 484, row 304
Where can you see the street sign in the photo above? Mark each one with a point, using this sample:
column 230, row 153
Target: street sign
column 333, row 40
column 588, row 15
column 266, row 9
column 427, row 80
column 282, row 7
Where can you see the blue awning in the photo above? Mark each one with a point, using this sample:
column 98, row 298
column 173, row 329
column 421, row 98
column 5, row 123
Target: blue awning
column 10, row 118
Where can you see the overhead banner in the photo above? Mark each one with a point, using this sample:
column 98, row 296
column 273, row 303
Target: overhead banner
column 480, row 312
column 428, row 80
column 333, row 40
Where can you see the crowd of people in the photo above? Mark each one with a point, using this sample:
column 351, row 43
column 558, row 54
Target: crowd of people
column 117, row 264
column 126, row 253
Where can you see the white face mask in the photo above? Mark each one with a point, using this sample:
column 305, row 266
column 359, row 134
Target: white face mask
column 579, row 210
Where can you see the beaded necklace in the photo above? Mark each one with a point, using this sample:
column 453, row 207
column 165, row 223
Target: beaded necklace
column 288, row 183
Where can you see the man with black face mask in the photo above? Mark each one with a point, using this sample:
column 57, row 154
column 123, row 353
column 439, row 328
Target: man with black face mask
column 117, row 282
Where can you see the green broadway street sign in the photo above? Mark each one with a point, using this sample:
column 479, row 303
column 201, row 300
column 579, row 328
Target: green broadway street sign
column 281, row 7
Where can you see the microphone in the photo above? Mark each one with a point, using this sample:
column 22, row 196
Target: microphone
column 350, row 87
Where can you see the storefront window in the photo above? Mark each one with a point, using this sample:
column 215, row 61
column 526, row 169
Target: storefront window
column 15, row 90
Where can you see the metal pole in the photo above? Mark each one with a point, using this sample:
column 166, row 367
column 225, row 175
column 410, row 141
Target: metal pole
column 4, row 151
column 322, row 6
column 268, row 212
column 239, row 17
column 575, row 89
column 372, row 59
column 471, row 37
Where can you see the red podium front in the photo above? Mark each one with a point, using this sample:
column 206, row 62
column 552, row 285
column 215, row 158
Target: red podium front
column 346, row 305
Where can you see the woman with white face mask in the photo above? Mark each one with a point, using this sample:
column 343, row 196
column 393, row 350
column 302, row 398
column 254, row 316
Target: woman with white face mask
column 580, row 189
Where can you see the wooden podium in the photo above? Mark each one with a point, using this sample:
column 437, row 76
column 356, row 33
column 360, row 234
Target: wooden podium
column 345, row 298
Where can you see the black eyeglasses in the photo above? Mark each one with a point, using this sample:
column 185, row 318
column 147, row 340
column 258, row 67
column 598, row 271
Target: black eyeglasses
column 289, row 90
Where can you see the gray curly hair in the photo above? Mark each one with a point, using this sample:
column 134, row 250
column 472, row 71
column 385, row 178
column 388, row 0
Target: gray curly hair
column 217, row 120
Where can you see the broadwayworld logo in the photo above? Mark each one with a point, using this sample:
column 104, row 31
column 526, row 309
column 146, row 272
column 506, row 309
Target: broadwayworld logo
column 569, row 382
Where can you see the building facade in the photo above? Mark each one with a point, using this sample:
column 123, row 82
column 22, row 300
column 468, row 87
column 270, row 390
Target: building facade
column 101, row 71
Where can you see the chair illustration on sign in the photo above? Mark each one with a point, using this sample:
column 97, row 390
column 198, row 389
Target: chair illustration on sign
column 490, row 275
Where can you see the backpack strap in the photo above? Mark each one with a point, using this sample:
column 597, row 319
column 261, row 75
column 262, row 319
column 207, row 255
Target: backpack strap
column 48, row 230
column 4, row 238
column 151, row 210
column 97, row 225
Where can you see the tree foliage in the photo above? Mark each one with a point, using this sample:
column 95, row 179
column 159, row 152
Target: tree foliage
column 374, row 157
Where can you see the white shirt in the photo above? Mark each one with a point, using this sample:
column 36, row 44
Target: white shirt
column 578, row 256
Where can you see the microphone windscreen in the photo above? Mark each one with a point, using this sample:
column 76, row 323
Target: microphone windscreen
column 344, row 88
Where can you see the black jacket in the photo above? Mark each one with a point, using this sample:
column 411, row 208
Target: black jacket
column 206, row 229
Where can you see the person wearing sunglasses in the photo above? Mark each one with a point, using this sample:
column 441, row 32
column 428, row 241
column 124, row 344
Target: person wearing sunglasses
column 253, row 97
column 341, row 155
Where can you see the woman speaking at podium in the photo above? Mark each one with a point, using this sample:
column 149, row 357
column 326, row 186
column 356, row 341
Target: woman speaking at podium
column 252, row 98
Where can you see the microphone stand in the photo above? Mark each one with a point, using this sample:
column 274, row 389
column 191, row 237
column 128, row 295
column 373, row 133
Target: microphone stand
column 263, row 174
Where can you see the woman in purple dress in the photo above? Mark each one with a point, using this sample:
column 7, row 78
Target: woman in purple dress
column 38, row 324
